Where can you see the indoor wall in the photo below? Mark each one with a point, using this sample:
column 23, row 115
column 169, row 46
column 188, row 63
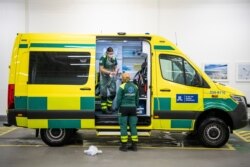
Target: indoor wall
column 208, row 31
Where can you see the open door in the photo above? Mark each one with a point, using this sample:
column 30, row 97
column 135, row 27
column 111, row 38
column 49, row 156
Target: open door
column 132, row 54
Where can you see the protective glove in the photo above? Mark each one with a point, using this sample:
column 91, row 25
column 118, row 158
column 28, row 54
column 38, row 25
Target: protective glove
column 93, row 150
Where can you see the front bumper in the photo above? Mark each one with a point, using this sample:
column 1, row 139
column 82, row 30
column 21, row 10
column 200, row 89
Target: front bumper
column 239, row 116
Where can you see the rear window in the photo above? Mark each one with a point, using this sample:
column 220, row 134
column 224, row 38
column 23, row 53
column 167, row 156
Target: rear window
column 69, row 68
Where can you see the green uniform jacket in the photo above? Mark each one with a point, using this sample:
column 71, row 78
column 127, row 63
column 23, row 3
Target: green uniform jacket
column 127, row 95
column 109, row 65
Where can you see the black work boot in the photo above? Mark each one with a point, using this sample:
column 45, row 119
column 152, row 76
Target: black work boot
column 133, row 147
column 109, row 110
column 123, row 147
column 104, row 111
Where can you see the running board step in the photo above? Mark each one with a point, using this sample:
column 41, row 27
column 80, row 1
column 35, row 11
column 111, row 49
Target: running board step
column 117, row 133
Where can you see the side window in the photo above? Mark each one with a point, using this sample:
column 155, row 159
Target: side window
column 171, row 68
column 69, row 68
column 178, row 70
column 190, row 74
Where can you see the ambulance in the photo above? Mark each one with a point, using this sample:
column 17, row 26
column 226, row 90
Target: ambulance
column 54, row 88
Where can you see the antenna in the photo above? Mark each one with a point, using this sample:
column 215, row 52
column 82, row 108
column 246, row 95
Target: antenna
column 176, row 41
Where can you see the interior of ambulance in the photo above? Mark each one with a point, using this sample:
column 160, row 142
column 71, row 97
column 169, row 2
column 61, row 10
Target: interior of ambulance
column 132, row 56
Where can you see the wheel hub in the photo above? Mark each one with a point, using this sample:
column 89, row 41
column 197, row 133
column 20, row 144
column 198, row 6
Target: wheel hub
column 213, row 132
column 55, row 134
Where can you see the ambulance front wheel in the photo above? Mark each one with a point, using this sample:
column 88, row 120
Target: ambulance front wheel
column 55, row 137
column 213, row 132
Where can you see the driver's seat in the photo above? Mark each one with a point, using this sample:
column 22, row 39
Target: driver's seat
column 180, row 79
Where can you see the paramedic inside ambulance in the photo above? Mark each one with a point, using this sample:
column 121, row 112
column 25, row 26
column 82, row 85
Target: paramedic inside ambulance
column 108, row 72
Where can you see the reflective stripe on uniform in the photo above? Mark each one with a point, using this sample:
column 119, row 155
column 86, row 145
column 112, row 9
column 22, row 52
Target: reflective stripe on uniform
column 103, row 105
column 109, row 103
column 122, row 85
column 124, row 139
column 134, row 138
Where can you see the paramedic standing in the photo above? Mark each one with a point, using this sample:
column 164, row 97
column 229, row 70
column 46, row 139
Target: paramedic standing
column 108, row 71
column 127, row 102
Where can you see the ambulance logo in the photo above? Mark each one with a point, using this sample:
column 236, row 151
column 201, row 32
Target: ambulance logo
column 180, row 99
column 131, row 89
column 186, row 98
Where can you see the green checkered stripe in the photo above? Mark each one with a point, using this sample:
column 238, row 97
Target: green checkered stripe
column 35, row 104
column 40, row 103
column 164, row 105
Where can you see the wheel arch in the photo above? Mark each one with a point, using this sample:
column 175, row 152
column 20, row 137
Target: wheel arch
column 216, row 113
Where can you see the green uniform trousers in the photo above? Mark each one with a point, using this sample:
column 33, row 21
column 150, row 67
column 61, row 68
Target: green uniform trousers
column 124, row 121
column 107, row 84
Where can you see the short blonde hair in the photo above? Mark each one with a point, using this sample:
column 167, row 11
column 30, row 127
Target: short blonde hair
column 125, row 77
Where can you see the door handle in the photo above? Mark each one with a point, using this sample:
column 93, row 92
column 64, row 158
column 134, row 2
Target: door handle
column 85, row 88
column 165, row 90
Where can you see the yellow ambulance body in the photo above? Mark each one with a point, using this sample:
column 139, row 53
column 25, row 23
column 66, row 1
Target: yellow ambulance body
column 53, row 87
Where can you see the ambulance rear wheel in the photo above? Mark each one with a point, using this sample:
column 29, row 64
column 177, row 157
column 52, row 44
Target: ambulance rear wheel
column 55, row 137
column 213, row 132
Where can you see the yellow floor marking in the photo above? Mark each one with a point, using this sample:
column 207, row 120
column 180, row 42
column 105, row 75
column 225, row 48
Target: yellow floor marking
column 227, row 147
column 244, row 135
column 5, row 130
column 21, row 145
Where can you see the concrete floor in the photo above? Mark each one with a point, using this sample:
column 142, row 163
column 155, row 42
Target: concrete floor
column 20, row 148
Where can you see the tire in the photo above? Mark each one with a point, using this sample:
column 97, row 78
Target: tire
column 55, row 137
column 213, row 132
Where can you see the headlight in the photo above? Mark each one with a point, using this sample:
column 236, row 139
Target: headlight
column 240, row 99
